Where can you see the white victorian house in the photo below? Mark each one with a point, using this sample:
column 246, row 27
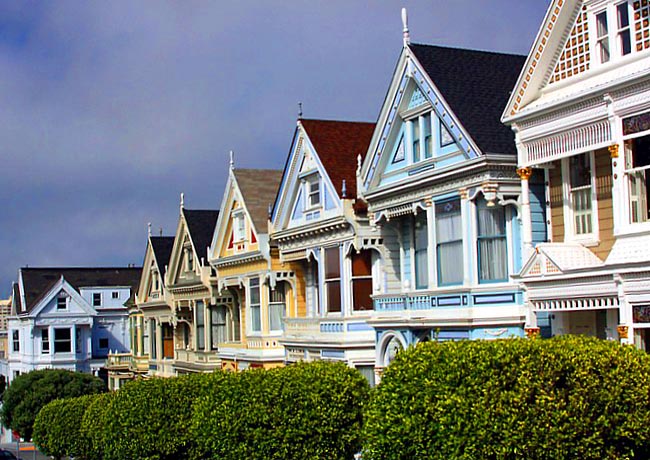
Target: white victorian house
column 69, row 318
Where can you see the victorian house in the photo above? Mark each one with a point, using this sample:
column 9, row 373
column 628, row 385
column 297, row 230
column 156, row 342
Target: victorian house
column 69, row 318
column 180, row 342
column 319, row 224
column 152, row 304
column 581, row 114
column 255, row 292
column 444, row 198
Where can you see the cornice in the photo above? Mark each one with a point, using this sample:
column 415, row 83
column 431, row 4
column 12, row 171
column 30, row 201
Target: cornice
column 238, row 259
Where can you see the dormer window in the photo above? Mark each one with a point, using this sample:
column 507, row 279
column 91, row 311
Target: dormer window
column 97, row 299
column 61, row 303
column 189, row 260
column 156, row 281
column 239, row 227
column 313, row 191
column 421, row 138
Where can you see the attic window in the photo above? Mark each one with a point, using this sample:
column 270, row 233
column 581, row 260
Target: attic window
column 115, row 295
column 97, row 299
column 61, row 303
column 239, row 227
column 313, row 191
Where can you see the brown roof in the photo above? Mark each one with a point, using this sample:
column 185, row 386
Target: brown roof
column 259, row 188
column 37, row 281
column 337, row 144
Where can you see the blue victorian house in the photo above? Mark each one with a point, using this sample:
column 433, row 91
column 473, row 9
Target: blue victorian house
column 440, row 180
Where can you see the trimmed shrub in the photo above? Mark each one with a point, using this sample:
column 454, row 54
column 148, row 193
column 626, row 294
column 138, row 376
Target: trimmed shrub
column 29, row 392
column 149, row 419
column 92, row 433
column 57, row 426
column 568, row 397
column 302, row 411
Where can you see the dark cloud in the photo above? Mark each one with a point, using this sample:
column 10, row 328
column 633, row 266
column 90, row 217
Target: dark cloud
column 108, row 110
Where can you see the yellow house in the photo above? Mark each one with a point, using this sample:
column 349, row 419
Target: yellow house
column 263, row 290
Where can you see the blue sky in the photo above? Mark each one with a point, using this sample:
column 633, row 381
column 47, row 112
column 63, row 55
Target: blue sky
column 109, row 110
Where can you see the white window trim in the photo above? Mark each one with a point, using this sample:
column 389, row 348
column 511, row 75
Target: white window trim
column 342, row 287
column 590, row 239
column 307, row 184
column 65, row 299
column 625, row 217
column 238, row 226
column 249, row 316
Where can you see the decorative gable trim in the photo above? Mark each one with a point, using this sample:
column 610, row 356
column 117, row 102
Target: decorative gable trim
column 61, row 285
column 176, row 259
column 409, row 69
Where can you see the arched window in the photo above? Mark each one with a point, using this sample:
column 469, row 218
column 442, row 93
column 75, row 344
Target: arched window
column 393, row 347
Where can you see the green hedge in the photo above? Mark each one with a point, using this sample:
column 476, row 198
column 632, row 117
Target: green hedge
column 565, row 398
column 302, row 411
column 149, row 419
column 57, row 426
column 92, row 432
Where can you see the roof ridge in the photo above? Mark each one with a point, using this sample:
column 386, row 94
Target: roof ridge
column 473, row 50
column 73, row 267
column 338, row 121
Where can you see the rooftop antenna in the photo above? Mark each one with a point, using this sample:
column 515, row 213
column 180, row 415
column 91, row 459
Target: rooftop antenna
column 182, row 200
column 232, row 160
column 149, row 229
column 405, row 30
column 344, row 190
column 299, row 109
column 160, row 231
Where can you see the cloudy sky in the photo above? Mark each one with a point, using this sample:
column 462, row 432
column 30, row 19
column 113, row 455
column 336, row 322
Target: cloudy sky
column 110, row 109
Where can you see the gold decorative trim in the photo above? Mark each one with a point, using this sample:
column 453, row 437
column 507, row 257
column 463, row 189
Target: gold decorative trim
column 532, row 332
column 622, row 331
column 524, row 173
column 613, row 150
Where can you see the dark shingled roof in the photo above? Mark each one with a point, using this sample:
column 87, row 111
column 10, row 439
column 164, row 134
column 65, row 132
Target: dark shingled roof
column 162, row 249
column 338, row 143
column 37, row 281
column 200, row 224
column 477, row 86
column 259, row 188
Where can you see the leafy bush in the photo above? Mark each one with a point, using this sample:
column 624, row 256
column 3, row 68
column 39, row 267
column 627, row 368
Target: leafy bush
column 57, row 426
column 564, row 398
column 149, row 419
column 29, row 392
column 303, row 411
column 92, row 432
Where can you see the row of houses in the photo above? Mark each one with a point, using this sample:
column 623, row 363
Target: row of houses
column 496, row 196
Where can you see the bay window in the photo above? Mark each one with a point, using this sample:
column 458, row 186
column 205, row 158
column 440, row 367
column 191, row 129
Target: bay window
column 200, row 325
column 218, row 331
column 254, row 304
column 421, row 243
column 333, row 279
column 449, row 242
column 277, row 306
column 580, row 193
column 362, row 280
column 62, row 340
column 637, row 164
column 492, row 244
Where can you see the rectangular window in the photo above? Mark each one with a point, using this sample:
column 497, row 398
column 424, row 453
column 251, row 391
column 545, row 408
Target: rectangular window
column 61, row 303
column 580, row 193
column 255, row 305
column 637, row 166
column 421, row 243
column 217, row 326
column 45, row 340
column 602, row 37
column 362, row 280
column 97, row 299
column 333, row 279
column 428, row 139
column 492, row 244
column 277, row 306
column 200, row 325
column 62, row 340
column 115, row 295
column 416, row 140
column 239, row 227
column 15, row 335
column 189, row 257
column 623, row 20
column 313, row 192
column 154, row 339
column 103, row 343
column 449, row 246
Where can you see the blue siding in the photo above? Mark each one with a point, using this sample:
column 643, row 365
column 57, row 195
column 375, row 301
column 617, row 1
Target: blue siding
column 407, row 239
column 538, row 207
column 298, row 207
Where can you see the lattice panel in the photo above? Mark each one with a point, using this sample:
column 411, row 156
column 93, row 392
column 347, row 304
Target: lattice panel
column 575, row 56
column 642, row 24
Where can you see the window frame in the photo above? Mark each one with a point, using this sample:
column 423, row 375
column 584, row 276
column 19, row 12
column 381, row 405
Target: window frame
column 570, row 233
column 238, row 226
column 255, row 283
column 481, row 204
column 15, row 339
column 59, row 341
column 280, row 290
column 332, row 280
column 97, row 299
column 449, row 242
column 61, row 300
column 361, row 278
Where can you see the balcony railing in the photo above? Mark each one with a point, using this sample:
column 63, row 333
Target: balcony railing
column 315, row 326
column 122, row 360
column 198, row 357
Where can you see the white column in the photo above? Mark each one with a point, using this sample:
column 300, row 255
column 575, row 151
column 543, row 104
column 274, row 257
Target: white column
column 432, row 270
column 465, row 218
column 526, row 220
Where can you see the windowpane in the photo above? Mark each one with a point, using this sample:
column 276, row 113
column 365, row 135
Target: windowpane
column 256, row 320
column 421, row 259
column 254, row 291
column 416, row 140
column 492, row 243
column 637, row 157
column 61, row 303
column 362, row 263
column 314, row 191
column 277, row 306
column 603, row 40
column 426, row 122
column 361, row 292
column 62, row 341
column 333, row 296
column 332, row 263
column 200, row 325
column 623, row 20
column 580, row 184
column 45, row 339
column 449, row 242
column 16, row 340
column 218, row 326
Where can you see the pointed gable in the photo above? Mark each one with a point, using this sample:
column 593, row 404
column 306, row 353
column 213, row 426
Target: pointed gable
column 200, row 226
column 258, row 188
column 476, row 85
column 162, row 249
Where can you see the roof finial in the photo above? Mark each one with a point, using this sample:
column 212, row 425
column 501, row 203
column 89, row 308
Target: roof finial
column 182, row 200
column 232, row 160
column 299, row 109
column 405, row 23
column 344, row 190
column 149, row 229
column 359, row 160
column 160, row 231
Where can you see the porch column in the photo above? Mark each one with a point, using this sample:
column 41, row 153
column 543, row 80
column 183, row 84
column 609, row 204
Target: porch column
column 431, row 246
column 208, row 324
column 465, row 219
column 526, row 220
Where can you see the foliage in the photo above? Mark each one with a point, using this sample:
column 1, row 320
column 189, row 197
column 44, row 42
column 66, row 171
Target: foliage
column 302, row 411
column 29, row 392
column 564, row 398
column 93, row 427
column 149, row 419
column 57, row 426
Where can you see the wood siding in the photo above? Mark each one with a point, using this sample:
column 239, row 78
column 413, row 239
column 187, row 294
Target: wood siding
column 557, row 202
column 605, row 210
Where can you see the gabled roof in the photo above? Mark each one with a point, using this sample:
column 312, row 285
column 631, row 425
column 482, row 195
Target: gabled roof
column 258, row 188
column 37, row 281
column 337, row 144
column 200, row 225
column 476, row 85
column 162, row 250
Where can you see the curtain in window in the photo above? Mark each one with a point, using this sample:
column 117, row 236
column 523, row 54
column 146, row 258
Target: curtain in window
column 218, row 326
column 256, row 320
column 200, row 325
column 493, row 257
column 277, row 306
column 449, row 242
